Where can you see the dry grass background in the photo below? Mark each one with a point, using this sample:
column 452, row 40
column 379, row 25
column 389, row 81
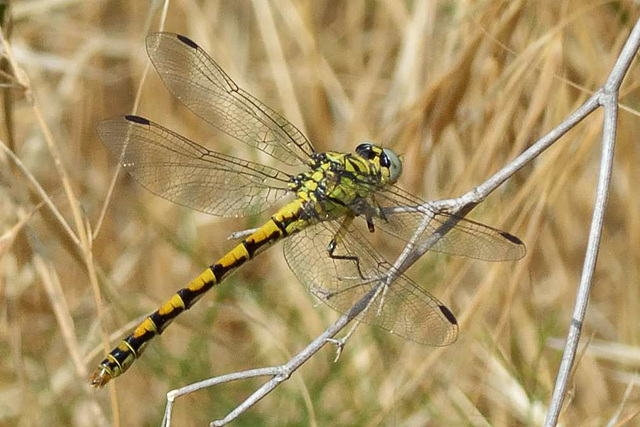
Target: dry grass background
column 458, row 87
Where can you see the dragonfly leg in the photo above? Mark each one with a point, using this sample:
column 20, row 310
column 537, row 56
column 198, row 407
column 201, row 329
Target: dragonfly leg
column 331, row 250
column 333, row 244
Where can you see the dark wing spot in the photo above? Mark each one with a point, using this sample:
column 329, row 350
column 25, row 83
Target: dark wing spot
column 137, row 119
column 448, row 314
column 511, row 238
column 187, row 41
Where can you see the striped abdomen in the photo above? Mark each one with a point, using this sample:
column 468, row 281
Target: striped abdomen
column 284, row 222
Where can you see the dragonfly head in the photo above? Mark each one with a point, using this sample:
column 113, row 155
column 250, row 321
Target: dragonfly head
column 389, row 162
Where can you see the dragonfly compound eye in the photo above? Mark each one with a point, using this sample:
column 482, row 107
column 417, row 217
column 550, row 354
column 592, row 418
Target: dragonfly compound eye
column 391, row 160
column 333, row 190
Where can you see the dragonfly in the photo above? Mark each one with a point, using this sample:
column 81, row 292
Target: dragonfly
column 325, row 198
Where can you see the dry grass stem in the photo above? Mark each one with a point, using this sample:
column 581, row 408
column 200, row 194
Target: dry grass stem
column 459, row 88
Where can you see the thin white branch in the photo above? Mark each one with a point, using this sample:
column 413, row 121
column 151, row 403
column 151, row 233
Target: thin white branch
column 584, row 289
column 464, row 204
column 606, row 96
column 280, row 373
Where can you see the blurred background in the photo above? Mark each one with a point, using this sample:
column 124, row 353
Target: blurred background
column 459, row 87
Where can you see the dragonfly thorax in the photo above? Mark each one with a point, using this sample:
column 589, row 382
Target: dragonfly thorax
column 341, row 182
column 334, row 261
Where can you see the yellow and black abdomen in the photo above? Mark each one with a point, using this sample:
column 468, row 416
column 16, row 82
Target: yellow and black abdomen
column 327, row 191
column 284, row 222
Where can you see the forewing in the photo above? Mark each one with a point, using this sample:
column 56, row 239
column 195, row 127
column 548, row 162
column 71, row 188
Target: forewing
column 186, row 173
column 407, row 310
column 199, row 82
column 443, row 232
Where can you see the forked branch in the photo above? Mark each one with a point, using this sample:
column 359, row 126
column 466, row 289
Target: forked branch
column 606, row 97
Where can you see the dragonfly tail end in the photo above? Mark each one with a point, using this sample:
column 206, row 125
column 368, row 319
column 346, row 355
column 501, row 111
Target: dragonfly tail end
column 101, row 376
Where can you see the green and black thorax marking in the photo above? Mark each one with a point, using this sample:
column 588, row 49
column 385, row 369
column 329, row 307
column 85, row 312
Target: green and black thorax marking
column 322, row 248
column 340, row 184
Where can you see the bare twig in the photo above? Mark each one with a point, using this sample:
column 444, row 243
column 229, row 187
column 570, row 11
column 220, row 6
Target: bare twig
column 607, row 97
column 278, row 373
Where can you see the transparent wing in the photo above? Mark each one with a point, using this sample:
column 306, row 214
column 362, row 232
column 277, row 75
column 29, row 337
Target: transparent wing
column 195, row 78
column 443, row 232
column 407, row 310
column 186, row 173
